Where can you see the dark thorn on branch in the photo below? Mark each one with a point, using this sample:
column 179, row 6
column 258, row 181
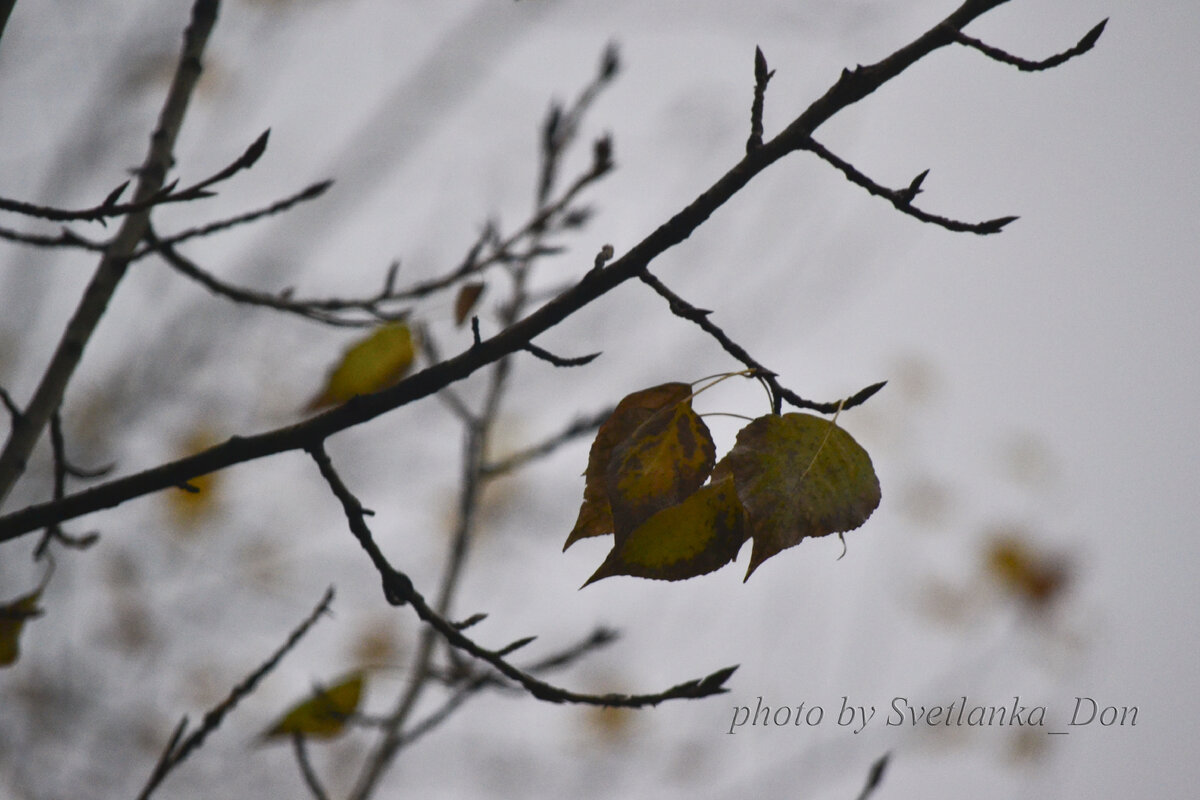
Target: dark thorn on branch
column 475, row 337
column 559, row 361
column 1026, row 65
column 908, row 195
column 187, row 487
column 761, row 77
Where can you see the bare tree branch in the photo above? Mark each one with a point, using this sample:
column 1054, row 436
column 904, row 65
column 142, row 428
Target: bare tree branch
column 685, row 310
column 850, row 87
column 48, row 396
column 398, row 589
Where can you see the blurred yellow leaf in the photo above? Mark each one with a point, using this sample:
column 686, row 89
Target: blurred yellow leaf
column 188, row 506
column 375, row 362
column 324, row 714
column 1032, row 577
column 12, row 620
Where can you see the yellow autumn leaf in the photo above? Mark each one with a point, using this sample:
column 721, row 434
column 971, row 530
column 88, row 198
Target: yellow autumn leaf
column 324, row 714
column 373, row 363
column 12, row 620
column 695, row 537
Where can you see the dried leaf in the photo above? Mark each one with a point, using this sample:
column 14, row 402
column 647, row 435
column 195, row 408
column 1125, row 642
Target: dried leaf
column 12, row 621
column 369, row 365
column 695, row 537
column 465, row 302
column 799, row 476
column 324, row 714
column 595, row 514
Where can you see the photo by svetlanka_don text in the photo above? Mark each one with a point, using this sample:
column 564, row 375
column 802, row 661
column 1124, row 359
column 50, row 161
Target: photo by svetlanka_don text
column 1074, row 714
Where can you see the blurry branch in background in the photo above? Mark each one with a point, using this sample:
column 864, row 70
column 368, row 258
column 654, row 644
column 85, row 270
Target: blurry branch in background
column 179, row 748
column 875, row 776
column 28, row 427
column 6, row 7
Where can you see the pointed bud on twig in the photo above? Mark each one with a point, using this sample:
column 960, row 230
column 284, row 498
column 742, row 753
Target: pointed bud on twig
column 255, row 150
column 914, row 189
column 610, row 62
column 995, row 225
column 114, row 195
column 602, row 155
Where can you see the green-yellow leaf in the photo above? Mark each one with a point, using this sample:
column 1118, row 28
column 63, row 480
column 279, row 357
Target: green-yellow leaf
column 695, row 537
column 665, row 460
column 373, row 363
column 595, row 514
column 12, row 621
column 797, row 476
column 324, row 714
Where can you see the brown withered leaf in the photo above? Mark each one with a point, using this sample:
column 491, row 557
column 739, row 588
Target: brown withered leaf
column 466, row 300
column 595, row 513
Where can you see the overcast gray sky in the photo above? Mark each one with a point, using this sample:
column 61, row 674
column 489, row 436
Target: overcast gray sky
column 1042, row 381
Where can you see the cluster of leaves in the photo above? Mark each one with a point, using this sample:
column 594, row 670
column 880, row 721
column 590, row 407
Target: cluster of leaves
column 787, row 478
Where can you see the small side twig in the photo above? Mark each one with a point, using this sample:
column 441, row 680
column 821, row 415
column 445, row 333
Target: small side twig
column 580, row 427
column 178, row 748
column 902, row 199
column 306, row 768
column 278, row 207
column 1026, row 65
column 685, row 310
column 559, row 361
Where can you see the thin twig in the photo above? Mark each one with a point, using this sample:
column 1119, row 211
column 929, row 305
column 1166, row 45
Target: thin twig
column 306, row 768
column 323, row 311
column 580, row 427
column 559, row 361
column 1026, row 65
column 902, row 199
column 685, row 310
column 278, row 207
column 178, row 749
column 144, row 202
